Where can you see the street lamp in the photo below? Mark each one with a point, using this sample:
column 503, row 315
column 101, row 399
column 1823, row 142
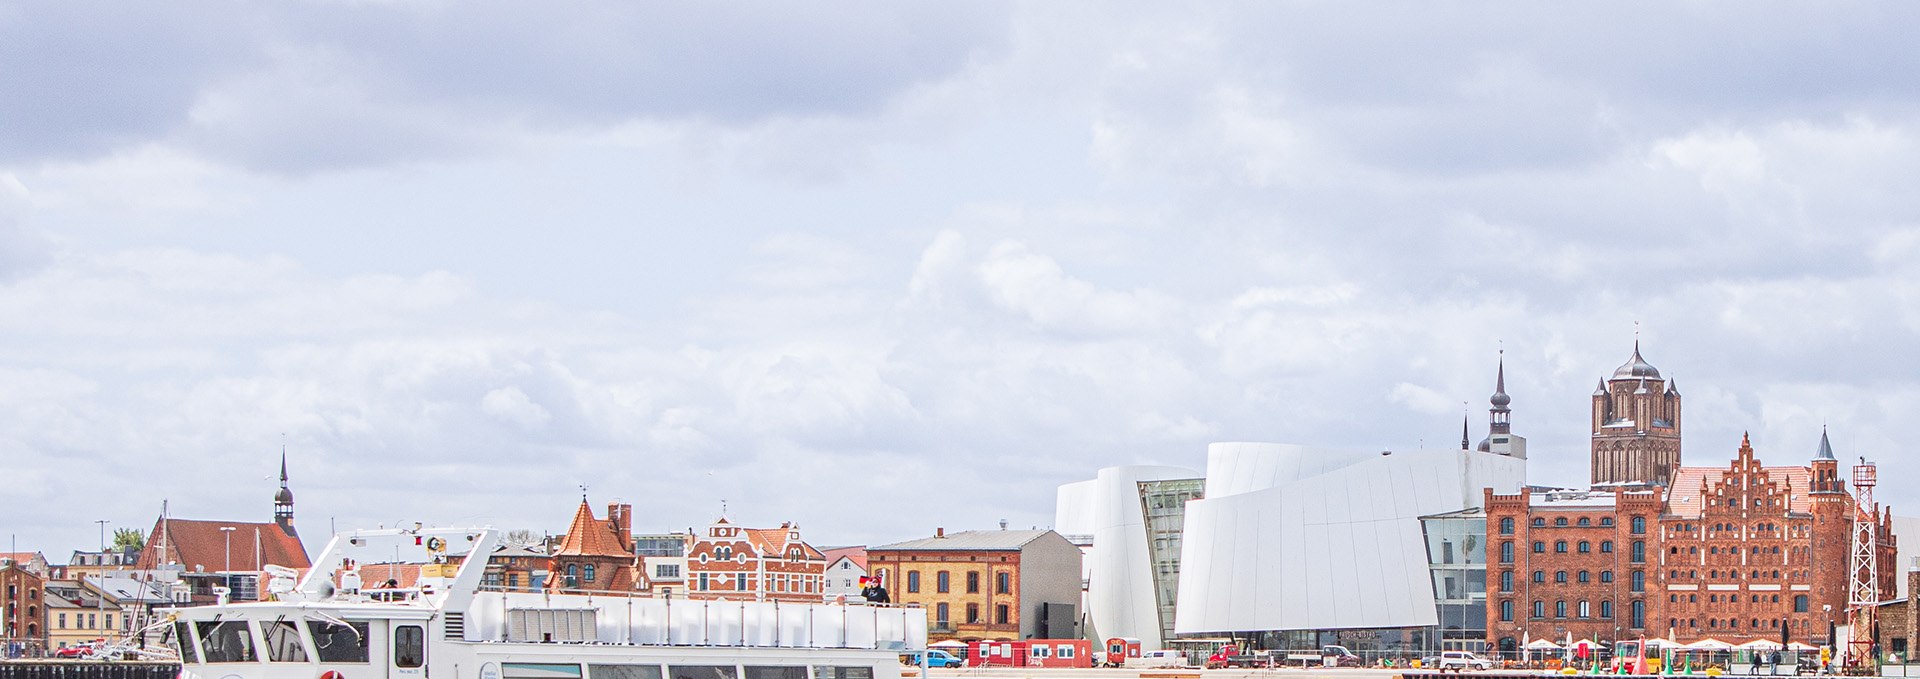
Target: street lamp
column 100, row 576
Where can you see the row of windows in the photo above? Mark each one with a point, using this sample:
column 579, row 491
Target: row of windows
column 1582, row 609
column 942, row 583
column 1001, row 613
column 1637, row 552
column 1506, row 523
column 83, row 621
column 1799, row 601
column 1637, row 580
column 1731, row 574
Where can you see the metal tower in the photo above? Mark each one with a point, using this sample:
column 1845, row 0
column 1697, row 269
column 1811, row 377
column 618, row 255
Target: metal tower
column 1863, row 597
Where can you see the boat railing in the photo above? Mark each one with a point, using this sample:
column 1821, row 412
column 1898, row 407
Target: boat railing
column 670, row 596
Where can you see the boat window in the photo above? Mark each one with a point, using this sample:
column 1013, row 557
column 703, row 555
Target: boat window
column 544, row 670
column 178, row 638
column 765, row 672
column 409, row 646
column 339, row 643
column 228, row 641
column 283, row 642
column 830, row 672
column 702, row 672
column 623, row 671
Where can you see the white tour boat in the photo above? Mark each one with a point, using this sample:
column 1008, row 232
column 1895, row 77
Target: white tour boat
column 449, row 627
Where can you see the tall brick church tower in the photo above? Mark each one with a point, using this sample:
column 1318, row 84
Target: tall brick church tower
column 1636, row 427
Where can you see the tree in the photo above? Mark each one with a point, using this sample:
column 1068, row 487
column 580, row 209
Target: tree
column 128, row 538
column 523, row 538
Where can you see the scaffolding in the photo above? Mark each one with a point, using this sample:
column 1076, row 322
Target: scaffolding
column 1863, row 597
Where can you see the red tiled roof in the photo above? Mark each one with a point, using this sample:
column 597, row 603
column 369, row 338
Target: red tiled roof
column 376, row 575
column 588, row 536
column 201, row 546
column 773, row 542
column 858, row 555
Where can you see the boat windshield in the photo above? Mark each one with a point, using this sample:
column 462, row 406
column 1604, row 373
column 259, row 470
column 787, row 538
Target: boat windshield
column 339, row 643
column 225, row 641
column 283, row 642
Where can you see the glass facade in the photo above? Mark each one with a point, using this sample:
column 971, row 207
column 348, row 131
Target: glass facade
column 1457, row 559
column 1164, row 505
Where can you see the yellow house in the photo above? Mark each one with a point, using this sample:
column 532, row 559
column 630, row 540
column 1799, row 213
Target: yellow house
column 76, row 615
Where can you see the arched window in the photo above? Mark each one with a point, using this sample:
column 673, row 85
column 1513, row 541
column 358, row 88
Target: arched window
column 1506, row 526
column 1560, row 547
column 1637, row 614
column 1506, row 611
column 1584, row 521
column 1606, row 609
column 1538, row 522
column 1539, row 608
column 1560, row 608
column 1539, row 547
column 1606, row 546
column 1560, row 577
column 1539, row 576
column 1637, row 582
column 1639, row 525
column 1506, row 552
column 1584, row 547
column 1583, row 610
column 1606, row 576
column 1638, row 553
column 1506, row 581
column 1560, row 522
column 1584, row 577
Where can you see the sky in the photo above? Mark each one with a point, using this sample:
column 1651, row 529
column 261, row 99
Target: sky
column 877, row 268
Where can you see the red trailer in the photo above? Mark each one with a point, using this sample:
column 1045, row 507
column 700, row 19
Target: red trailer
column 1031, row 653
column 1121, row 648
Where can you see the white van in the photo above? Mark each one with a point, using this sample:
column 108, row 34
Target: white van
column 1158, row 659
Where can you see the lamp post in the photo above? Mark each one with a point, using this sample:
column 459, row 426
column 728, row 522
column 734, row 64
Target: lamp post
column 226, row 573
column 100, row 576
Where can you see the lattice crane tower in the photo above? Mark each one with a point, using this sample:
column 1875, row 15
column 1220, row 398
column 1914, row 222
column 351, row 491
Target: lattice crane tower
column 1864, row 593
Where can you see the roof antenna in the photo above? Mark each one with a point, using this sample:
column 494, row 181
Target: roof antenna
column 583, row 492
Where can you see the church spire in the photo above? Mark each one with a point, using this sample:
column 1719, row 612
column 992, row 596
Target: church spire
column 1826, row 447
column 283, row 499
column 1464, row 442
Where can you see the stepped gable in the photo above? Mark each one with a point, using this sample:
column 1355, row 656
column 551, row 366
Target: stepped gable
column 201, row 546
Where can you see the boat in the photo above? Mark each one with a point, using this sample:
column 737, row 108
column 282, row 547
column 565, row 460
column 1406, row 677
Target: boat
column 448, row 626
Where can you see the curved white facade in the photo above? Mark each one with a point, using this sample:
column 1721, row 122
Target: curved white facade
column 1119, row 599
column 1292, row 537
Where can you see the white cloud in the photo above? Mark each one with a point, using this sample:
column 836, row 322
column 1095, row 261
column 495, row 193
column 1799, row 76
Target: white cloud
column 509, row 404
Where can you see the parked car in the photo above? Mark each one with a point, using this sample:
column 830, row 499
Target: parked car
column 1460, row 661
column 74, row 651
column 935, row 658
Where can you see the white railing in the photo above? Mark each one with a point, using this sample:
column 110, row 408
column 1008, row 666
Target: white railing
column 698, row 622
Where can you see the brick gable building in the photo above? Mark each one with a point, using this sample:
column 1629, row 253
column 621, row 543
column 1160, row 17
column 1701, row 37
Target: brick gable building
column 986, row 584
column 1569, row 564
column 734, row 562
column 597, row 554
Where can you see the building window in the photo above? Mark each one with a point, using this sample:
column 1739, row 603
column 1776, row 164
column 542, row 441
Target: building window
column 1000, row 614
column 1506, row 581
column 1506, row 611
column 1560, row 547
column 1539, row 608
column 1002, row 582
column 973, row 582
column 941, row 583
column 913, row 582
column 1606, row 522
column 1584, row 522
column 940, row 614
column 1585, row 577
column 1800, row 603
column 1560, row 522
column 1539, row 547
column 1585, row 547
column 1506, row 526
column 1584, row 612
column 1560, row 577
column 1606, row 609
column 1637, row 581
column 589, row 572
column 1539, row 522
column 1638, row 553
column 1539, row 576
column 1560, row 608
column 1639, row 525
column 973, row 614
column 1606, row 546
column 666, row 570
column 1506, row 552
column 1637, row 614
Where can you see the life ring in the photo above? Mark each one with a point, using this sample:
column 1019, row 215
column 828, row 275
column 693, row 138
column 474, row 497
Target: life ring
column 436, row 545
column 332, row 674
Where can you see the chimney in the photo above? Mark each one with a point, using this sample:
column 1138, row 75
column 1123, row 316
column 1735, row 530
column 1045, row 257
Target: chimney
column 940, row 532
column 622, row 517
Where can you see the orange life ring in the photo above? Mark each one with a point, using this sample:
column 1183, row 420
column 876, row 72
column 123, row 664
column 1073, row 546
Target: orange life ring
column 332, row 674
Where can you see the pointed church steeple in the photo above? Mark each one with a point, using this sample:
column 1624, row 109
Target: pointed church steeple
column 283, row 499
column 1500, row 438
column 1826, row 446
column 1464, row 442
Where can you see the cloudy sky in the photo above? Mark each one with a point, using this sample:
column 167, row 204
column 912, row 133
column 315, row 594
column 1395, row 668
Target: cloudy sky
column 893, row 266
